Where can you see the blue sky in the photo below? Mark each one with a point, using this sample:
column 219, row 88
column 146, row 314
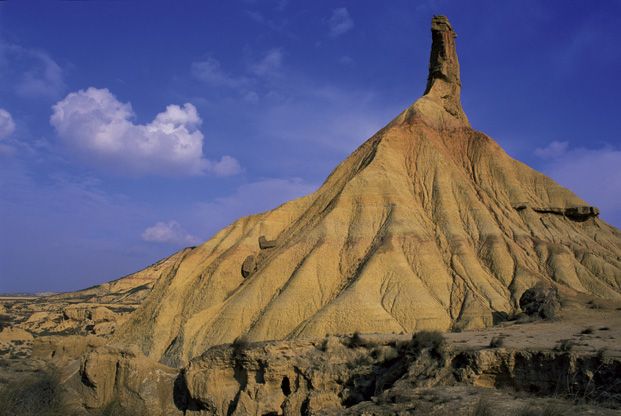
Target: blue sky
column 131, row 129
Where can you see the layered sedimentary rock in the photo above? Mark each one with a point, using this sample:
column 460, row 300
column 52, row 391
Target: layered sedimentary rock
column 428, row 225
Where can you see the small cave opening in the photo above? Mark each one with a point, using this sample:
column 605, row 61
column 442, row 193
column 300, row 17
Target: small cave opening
column 286, row 386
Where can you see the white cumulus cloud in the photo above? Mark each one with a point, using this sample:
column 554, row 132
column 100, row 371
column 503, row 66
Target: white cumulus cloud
column 169, row 232
column 340, row 22
column 99, row 128
column 7, row 125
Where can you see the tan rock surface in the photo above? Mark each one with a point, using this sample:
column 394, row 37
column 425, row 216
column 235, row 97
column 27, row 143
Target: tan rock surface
column 388, row 375
column 428, row 225
column 61, row 349
column 15, row 334
column 106, row 374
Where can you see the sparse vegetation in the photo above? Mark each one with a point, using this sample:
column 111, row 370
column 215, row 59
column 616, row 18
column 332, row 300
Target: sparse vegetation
column 5, row 321
column 565, row 345
column 496, row 342
column 432, row 340
column 239, row 345
column 35, row 395
column 549, row 410
column 356, row 341
column 601, row 353
column 115, row 408
column 483, row 408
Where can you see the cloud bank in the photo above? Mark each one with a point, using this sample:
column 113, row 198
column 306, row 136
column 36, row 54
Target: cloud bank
column 98, row 127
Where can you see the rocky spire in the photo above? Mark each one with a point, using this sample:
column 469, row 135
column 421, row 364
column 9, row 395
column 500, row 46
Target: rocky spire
column 443, row 83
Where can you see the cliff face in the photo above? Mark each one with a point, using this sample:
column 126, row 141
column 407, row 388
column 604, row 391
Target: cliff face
column 379, row 375
column 428, row 225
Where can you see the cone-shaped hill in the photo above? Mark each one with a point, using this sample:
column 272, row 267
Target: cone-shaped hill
column 428, row 225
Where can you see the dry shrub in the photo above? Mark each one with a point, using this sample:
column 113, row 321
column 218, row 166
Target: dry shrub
column 432, row 340
column 34, row 395
column 549, row 410
column 496, row 342
column 483, row 408
column 239, row 345
column 565, row 345
column 356, row 341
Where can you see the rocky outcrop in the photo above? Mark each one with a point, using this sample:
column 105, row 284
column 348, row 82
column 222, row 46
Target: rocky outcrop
column 62, row 349
column 264, row 243
column 86, row 312
column 248, row 266
column 126, row 378
column 575, row 213
column 313, row 378
column 443, row 82
column 284, row 378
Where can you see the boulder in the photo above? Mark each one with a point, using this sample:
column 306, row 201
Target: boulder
column 265, row 243
column 541, row 301
column 248, row 266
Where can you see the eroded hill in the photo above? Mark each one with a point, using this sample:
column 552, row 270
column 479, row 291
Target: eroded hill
column 428, row 225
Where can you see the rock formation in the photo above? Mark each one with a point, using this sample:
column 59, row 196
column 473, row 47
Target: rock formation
column 444, row 83
column 428, row 225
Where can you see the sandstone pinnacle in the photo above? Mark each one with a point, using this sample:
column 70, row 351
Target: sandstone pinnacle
column 444, row 81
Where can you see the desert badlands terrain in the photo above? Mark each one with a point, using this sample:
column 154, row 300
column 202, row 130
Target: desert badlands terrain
column 431, row 273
